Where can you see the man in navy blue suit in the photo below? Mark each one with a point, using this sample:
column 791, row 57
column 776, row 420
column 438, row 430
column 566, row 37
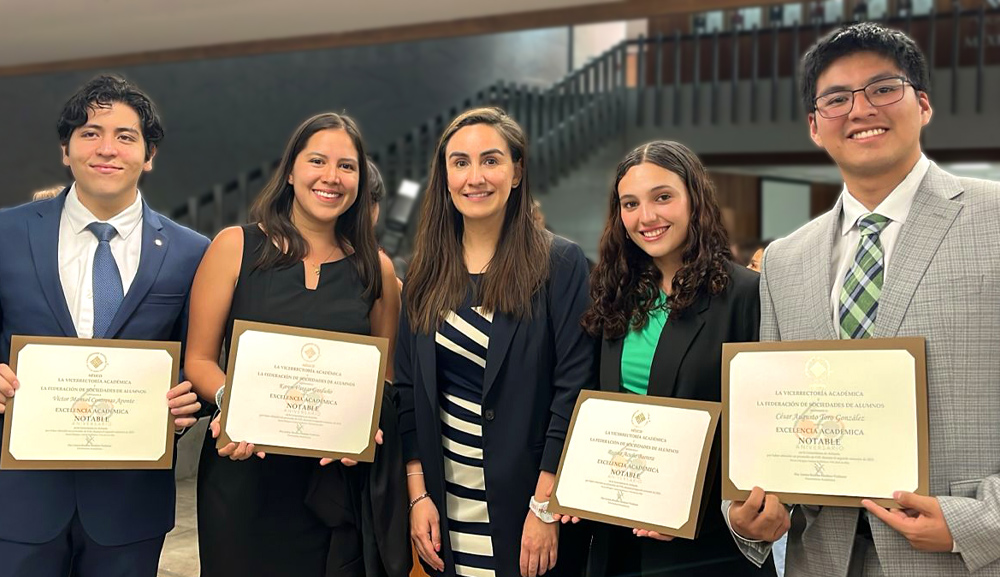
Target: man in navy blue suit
column 94, row 262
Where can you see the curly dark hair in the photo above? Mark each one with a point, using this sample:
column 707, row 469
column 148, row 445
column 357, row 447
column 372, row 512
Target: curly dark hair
column 863, row 37
column 625, row 284
column 101, row 92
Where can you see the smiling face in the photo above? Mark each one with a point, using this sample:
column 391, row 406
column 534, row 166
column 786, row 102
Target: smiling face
column 870, row 141
column 325, row 177
column 655, row 209
column 481, row 172
column 107, row 155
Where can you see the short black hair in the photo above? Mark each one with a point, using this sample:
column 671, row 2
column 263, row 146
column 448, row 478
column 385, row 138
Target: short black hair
column 863, row 37
column 375, row 183
column 101, row 92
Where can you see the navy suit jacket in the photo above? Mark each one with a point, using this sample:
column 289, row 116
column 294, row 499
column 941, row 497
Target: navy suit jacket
column 115, row 507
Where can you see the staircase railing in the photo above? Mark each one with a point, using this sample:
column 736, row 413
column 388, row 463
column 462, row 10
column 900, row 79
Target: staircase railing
column 589, row 106
column 562, row 122
column 742, row 61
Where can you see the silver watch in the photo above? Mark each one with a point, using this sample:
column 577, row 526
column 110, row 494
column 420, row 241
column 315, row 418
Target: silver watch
column 541, row 510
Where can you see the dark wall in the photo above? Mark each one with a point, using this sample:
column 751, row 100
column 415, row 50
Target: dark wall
column 225, row 116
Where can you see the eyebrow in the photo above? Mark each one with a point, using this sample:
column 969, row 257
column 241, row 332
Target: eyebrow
column 118, row 130
column 317, row 153
column 657, row 188
column 876, row 78
column 458, row 153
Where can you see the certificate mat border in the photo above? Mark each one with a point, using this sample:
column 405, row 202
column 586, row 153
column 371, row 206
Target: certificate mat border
column 9, row 463
column 706, row 465
column 915, row 346
column 381, row 343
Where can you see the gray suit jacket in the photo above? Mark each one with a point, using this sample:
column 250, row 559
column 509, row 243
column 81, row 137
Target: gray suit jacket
column 943, row 283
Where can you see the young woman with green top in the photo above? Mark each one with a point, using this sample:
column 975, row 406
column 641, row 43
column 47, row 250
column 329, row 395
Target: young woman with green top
column 665, row 297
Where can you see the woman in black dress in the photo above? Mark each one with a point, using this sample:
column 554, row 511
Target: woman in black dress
column 665, row 297
column 490, row 360
column 309, row 259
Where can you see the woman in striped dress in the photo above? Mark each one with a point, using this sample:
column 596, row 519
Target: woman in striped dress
column 490, row 359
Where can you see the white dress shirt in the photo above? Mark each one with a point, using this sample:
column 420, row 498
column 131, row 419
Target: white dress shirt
column 76, row 255
column 895, row 207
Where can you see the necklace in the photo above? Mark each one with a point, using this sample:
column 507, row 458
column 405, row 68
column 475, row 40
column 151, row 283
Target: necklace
column 316, row 267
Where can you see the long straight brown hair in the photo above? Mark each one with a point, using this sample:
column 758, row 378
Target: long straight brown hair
column 438, row 280
column 353, row 231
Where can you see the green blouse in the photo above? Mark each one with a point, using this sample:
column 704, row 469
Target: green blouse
column 639, row 347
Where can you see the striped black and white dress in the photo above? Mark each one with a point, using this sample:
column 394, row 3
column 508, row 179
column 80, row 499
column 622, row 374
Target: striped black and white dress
column 462, row 341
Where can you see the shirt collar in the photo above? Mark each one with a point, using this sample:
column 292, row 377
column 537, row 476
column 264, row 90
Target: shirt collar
column 895, row 207
column 125, row 222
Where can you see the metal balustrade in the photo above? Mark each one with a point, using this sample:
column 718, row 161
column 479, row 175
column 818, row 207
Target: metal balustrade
column 589, row 106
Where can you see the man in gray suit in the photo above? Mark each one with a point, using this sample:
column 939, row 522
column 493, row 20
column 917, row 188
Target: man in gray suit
column 908, row 250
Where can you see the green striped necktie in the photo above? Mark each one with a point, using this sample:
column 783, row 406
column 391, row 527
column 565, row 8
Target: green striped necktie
column 863, row 283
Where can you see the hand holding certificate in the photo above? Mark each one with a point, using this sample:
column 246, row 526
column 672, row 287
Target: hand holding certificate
column 637, row 461
column 825, row 422
column 91, row 404
column 303, row 392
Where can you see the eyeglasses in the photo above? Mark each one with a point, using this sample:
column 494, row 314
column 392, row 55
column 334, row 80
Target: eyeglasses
column 878, row 93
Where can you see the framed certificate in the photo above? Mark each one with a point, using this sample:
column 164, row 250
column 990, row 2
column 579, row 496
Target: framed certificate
column 637, row 461
column 90, row 404
column 825, row 422
column 303, row 392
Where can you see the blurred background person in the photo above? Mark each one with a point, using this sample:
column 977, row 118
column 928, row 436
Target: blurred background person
column 46, row 193
column 751, row 251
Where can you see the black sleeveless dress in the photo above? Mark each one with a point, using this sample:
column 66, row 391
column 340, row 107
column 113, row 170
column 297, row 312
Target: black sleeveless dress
column 252, row 515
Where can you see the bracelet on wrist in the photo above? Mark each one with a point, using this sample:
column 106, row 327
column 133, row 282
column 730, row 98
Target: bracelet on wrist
column 541, row 510
column 418, row 499
column 218, row 396
column 415, row 473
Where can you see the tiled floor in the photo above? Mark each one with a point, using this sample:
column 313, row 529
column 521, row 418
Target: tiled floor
column 180, row 550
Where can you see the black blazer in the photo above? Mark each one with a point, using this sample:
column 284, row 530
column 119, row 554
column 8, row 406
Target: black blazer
column 687, row 364
column 370, row 500
column 535, row 368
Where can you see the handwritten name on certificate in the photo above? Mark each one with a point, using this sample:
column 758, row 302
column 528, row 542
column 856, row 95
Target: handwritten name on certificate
column 636, row 461
column 90, row 404
column 303, row 392
column 825, row 423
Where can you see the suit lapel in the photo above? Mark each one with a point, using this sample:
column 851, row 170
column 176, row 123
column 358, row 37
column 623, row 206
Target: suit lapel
column 675, row 340
column 816, row 274
column 611, row 364
column 427, row 358
column 154, row 248
column 929, row 220
column 43, row 238
column 501, row 333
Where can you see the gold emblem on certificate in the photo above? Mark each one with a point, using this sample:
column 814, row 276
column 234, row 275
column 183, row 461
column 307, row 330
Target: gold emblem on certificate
column 825, row 422
column 637, row 461
column 90, row 404
column 304, row 392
